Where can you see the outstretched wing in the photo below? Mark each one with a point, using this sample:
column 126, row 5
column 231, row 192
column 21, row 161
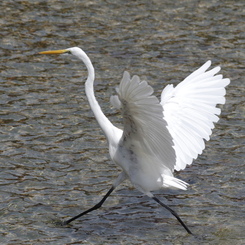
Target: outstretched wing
column 143, row 122
column 190, row 111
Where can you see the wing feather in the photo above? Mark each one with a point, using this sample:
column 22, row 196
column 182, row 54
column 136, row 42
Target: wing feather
column 144, row 124
column 190, row 111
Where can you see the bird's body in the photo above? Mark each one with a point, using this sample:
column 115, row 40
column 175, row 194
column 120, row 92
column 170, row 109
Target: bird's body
column 158, row 137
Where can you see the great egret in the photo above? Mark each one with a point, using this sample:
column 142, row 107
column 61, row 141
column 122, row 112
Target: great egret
column 158, row 137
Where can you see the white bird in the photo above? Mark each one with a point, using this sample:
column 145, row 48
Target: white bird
column 158, row 137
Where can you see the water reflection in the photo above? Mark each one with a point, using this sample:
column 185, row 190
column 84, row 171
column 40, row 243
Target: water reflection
column 54, row 160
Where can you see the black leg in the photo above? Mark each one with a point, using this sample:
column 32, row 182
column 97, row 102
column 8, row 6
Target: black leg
column 121, row 177
column 173, row 213
column 98, row 205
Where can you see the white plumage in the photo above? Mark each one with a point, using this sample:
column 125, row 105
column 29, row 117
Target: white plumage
column 166, row 135
column 190, row 111
column 158, row 137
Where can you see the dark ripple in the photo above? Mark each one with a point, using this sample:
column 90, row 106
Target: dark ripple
column 54, row 158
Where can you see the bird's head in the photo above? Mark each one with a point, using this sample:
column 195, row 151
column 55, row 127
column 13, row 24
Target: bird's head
column 79, row 53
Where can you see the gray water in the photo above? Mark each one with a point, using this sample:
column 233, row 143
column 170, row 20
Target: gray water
column 53, row 156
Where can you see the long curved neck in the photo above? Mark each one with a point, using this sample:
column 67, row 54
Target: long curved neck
column 103, row 121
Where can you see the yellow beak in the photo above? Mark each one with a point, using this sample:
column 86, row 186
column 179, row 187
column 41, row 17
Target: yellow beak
column 61, row 51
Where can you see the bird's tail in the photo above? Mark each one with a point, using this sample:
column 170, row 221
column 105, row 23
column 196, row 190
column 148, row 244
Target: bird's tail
column 170, row 181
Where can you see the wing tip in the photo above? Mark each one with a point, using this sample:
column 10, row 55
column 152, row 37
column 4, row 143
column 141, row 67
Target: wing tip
column 115, row 102
column 126, row 75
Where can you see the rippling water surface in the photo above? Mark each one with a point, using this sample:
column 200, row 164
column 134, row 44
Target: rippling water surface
column 54, row 159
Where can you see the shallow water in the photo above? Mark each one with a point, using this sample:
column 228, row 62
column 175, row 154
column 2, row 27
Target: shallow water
column 54, row 159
